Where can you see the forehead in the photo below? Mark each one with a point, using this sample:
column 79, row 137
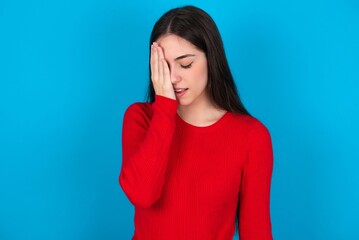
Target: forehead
column 174, row 46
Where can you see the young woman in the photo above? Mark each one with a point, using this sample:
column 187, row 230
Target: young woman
column 195, row 163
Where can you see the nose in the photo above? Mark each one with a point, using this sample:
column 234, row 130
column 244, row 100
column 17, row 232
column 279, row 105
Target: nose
column 175, row 78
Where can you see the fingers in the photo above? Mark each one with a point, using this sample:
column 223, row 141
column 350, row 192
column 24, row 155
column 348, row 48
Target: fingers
column 160, row 72
column 164, row 69
column 161, row 65
column 154, row 63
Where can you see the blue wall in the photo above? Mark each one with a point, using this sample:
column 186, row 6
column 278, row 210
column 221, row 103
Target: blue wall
column 69, row 69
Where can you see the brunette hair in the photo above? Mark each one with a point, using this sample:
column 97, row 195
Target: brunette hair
column 197, row 27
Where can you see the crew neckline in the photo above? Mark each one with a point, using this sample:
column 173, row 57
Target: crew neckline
column 200, row 128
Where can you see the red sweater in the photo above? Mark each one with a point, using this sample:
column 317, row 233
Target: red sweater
column 186, row 182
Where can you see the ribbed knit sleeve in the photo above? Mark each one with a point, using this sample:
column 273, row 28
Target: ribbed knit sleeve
column 254, row 209
column 145, row 149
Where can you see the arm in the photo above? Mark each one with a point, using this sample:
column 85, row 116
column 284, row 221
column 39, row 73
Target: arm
column 254, row 198
column 145, row 150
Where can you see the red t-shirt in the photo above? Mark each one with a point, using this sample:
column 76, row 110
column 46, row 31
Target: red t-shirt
column 186, row 181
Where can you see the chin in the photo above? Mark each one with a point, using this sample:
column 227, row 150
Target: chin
column 183, row 102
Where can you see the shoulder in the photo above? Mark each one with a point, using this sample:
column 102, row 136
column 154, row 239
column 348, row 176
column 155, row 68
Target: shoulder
column 250, row 126
column 257, row 140
column 147, row 108
column 139, row 110
column 259, row 135
column 139, row 107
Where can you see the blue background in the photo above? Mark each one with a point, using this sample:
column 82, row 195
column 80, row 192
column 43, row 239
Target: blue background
column 69, row 69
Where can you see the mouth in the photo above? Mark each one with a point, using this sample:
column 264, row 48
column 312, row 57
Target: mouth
column 180, row 92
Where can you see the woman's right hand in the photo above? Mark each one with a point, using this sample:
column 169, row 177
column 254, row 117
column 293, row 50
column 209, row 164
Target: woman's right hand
column 160, row 73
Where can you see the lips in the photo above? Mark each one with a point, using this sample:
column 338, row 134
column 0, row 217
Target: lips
column 179, row 90
column 181, row 93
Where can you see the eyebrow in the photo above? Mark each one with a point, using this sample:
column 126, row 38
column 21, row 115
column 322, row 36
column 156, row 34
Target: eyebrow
column 184, row 56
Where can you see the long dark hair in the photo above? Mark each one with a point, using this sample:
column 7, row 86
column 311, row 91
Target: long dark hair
column 197, row 27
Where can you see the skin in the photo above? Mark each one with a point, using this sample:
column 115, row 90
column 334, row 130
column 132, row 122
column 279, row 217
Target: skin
column 177, row 63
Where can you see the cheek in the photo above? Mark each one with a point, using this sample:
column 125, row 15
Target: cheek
column 196, row 76
column 202, row 75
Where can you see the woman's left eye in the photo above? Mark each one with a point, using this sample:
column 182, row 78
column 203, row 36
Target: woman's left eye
column 187, row 66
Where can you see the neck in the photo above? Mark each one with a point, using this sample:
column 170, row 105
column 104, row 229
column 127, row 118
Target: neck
column 200, row 113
